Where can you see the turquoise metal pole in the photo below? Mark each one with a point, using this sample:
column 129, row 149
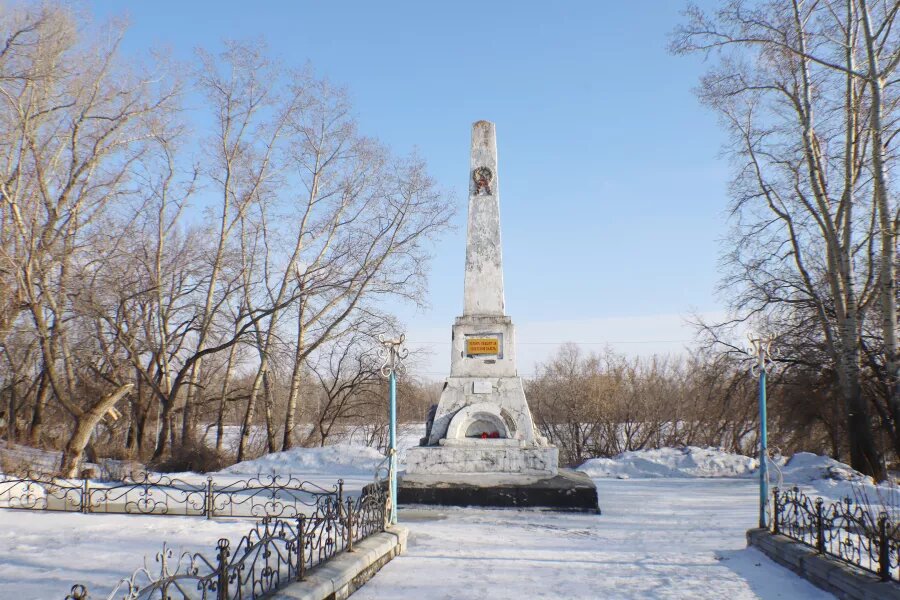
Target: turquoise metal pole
column 393, row 354
column 393, row 447
column 763, row 447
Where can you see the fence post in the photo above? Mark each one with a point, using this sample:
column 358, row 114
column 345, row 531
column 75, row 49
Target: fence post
column 85, row 495
column 340, row 491
column 301, row 547
column 820, row 528
column 775, row 511
column 884, row 550
column 222, row 569
column 349, row 524
column 209, row 498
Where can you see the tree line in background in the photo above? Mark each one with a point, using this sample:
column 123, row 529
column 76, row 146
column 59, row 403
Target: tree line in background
column 121, row 307
column 601, row 404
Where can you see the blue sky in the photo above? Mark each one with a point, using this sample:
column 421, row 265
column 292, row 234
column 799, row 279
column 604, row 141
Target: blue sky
column 613, row 192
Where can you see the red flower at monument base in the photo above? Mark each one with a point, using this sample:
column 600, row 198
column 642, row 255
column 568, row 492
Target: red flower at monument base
column 492, row 435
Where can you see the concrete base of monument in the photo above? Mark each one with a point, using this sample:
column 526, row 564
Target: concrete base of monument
column 483, row 456
column 566, row 491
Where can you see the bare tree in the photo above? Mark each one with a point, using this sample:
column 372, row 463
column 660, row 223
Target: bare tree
column 802, row 118
column 356, row 235
column 75, row 120
column 239, row 87
column 109, row 295
column 572, row 398
column 347, row 372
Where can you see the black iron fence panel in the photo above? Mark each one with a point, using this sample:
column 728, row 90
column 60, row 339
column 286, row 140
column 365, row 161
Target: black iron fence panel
column 850, row 533
column 185, row 577
column 893, row 551
column 264, row 560
column 156, row 494
column 37, row 491
column 845, row 530
column 322, row 534
column 275, row 552
column 797, row 515
column 149, row 494
column 267, row 495
column 371, row 513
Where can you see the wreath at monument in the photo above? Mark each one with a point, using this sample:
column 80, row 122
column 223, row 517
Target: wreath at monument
column 482, row 177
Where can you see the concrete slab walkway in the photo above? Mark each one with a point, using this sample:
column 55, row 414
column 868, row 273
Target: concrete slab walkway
column 659, row 538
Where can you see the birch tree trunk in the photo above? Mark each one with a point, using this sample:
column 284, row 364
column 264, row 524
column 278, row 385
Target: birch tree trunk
column 290, row 417
column 886, row 219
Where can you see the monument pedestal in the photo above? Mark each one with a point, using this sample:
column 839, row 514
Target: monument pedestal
column 482, row 448
column 494, row 472
column 508, row 457
column 566, row 491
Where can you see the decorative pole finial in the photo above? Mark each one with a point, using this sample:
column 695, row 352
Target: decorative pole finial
column 761, row 349
column 392, row 354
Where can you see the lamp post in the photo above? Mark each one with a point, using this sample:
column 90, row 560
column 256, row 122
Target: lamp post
column 392, row 353
column 760, row 349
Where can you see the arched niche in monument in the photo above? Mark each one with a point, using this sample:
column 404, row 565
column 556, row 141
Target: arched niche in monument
column 471, row 421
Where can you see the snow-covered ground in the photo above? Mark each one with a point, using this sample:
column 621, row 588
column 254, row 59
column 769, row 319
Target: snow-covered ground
column 660, row 538
column 672, row 526
column 44, row 553
column 656, row 538
column 338, row 460
column 355, row 465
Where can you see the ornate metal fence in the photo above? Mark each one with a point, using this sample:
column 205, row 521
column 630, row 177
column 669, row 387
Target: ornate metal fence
column 277, row 551
column 844, row 530
column 155, row 494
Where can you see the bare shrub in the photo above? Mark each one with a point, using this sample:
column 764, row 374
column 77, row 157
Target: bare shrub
column 12, row 465
column 191, row 456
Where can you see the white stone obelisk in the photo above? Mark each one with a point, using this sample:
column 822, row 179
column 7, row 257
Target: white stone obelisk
column 483, row 293
column 482, row 423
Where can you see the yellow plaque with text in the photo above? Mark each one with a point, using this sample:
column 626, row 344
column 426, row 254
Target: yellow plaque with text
column 482, row 346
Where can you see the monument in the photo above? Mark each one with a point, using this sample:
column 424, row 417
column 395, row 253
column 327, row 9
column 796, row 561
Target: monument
column 481, row 445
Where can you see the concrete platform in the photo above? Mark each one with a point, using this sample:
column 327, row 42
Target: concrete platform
column 567, row 491
column 501, row 457
column 338, row 578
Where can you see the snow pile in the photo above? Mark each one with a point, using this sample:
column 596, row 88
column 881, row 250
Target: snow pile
column 347, row 460
column 821, row 476
column 672, row 462
column 806, row 467
column 818, row 475
column 338, row 460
